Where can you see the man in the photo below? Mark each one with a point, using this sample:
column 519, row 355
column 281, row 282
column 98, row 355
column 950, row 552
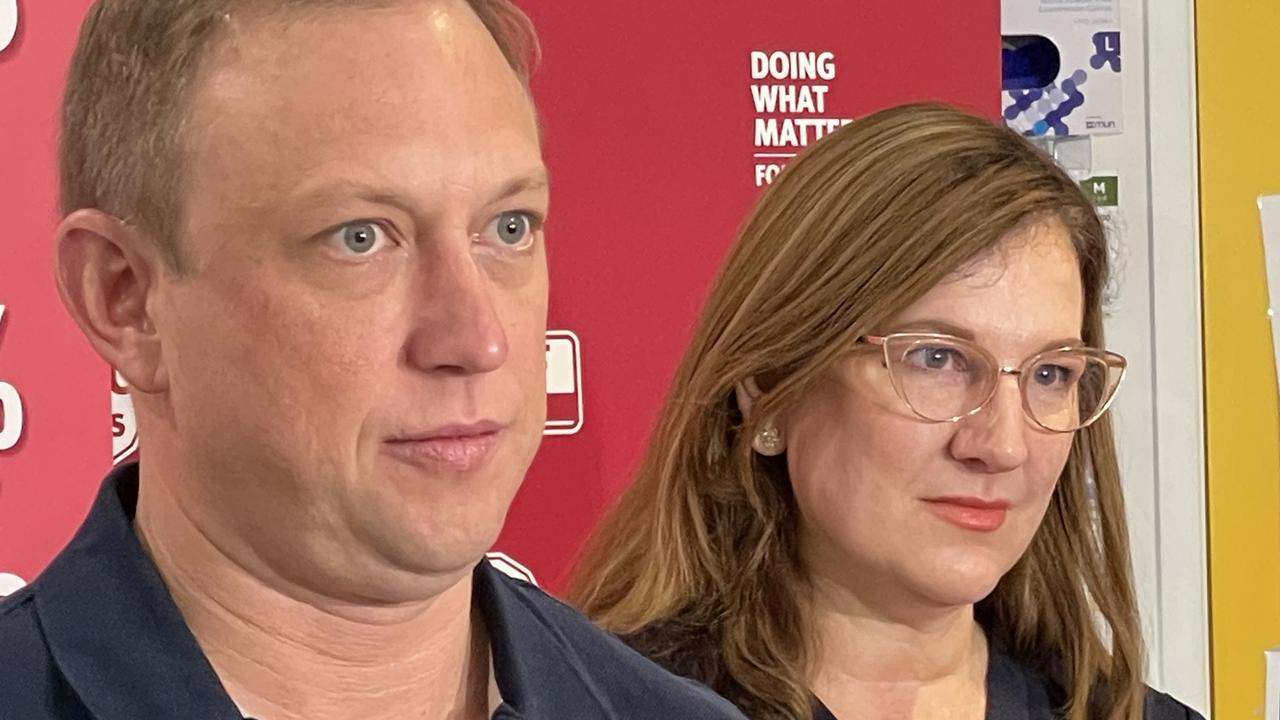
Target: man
column 309, row 235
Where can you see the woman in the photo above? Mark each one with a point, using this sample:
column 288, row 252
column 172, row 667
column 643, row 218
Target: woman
column 884, row 484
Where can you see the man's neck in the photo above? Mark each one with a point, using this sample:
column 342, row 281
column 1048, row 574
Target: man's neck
column 282, row 658
column 894, row 663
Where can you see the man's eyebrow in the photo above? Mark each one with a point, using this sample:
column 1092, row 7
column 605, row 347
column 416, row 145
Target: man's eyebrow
column 372, row 192
column 381, row 194
column 537, row 180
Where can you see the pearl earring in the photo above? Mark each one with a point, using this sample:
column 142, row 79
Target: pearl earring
column 768, row 441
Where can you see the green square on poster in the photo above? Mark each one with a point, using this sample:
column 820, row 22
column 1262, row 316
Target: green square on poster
column 1103, row 190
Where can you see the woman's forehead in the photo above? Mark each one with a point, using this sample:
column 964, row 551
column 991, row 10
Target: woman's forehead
column 1032, row 245
column 1027, row 287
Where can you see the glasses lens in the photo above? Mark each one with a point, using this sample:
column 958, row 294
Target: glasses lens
column 1069, row 389
column 940, row 379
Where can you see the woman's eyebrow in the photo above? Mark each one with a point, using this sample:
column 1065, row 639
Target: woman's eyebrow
column 934, row 326
column 950, row 328
column 1064, row 342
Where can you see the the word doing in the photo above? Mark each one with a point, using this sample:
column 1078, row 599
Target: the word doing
column 793, row 65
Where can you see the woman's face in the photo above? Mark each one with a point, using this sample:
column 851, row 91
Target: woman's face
column 886, row 498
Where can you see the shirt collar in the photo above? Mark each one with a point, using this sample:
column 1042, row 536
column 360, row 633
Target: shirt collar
column 121, row 642
column 112, row 627
column 539, row 671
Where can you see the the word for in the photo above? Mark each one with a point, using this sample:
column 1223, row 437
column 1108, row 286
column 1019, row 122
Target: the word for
column 766, row 172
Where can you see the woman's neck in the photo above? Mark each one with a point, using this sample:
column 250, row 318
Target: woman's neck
column 884, row 659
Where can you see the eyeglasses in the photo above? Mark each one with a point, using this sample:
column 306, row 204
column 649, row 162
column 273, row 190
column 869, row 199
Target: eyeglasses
column 943, row 378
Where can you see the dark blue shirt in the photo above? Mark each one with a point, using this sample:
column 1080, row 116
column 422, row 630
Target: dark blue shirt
column 1015, row 692
column 97, row 636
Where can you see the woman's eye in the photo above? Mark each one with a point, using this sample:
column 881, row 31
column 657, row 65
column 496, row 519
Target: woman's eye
column 513, row 229
column 937, row 358
column 361, row 238
column 1053, row 375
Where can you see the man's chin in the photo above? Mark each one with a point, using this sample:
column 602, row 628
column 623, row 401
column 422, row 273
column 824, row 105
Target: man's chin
column 433, row 525
column 441, row 549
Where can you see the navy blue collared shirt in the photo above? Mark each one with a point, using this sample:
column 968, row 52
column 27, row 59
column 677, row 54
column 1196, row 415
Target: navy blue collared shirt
column 98, row 637
column 1015, row 692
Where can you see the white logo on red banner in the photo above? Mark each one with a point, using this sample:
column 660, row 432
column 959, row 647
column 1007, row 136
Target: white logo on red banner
column 10, row 584
column 8, row 22
column 564, row 383
column 12, row 420
column 124, row 425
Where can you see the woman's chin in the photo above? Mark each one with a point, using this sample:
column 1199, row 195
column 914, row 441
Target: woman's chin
column 960, row 581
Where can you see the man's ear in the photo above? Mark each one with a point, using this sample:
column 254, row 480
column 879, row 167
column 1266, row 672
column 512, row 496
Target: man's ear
column 107, row 272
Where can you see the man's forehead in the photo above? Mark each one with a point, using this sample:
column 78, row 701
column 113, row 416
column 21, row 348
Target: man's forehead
column 422, row 95
column 338, row 55
column 245, row 17
column 408, row 74
column 264, row 41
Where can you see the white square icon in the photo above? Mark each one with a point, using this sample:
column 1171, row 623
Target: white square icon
column 564, row 383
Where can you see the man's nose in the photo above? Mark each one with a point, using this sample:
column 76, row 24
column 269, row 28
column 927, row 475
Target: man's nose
column 457, row 329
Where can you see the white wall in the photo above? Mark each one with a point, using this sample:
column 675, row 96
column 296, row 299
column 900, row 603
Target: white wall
column 1155, row 322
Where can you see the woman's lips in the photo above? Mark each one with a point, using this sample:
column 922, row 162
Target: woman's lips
column 461, row 448
column 970, row 513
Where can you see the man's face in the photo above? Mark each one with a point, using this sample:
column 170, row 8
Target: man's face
column 356, row 361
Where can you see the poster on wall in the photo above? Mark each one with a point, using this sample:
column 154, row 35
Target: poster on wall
column 1103, row 188
column 1269, row 209
column 1064, row 67
column 663, row 121
column 1272, row 703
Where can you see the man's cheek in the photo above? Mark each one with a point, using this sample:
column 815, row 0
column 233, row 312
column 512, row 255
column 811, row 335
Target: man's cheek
column 335, row 345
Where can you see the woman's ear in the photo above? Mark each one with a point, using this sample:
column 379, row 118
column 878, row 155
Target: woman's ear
column 769, row 441
column 747, row 392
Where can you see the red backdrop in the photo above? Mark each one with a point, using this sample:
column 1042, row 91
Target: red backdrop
column 651, row 128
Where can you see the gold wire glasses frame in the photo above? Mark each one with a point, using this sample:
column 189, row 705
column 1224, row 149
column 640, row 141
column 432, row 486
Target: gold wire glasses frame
column 943, row 378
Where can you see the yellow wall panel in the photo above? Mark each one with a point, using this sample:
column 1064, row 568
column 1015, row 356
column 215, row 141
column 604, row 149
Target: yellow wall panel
column 1238, row 58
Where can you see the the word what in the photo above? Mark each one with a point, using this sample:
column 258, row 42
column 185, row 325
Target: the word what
column 790, row 99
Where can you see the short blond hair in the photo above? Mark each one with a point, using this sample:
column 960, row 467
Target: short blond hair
column 125, row 107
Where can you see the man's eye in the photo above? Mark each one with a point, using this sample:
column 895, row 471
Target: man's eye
column 361, row 238
column 513, row 229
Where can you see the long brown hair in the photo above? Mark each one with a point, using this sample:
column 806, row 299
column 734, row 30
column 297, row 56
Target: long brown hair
column 698, row 564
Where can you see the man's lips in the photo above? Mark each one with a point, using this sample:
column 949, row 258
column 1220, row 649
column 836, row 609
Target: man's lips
column 970, row 513
column 460, row 447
